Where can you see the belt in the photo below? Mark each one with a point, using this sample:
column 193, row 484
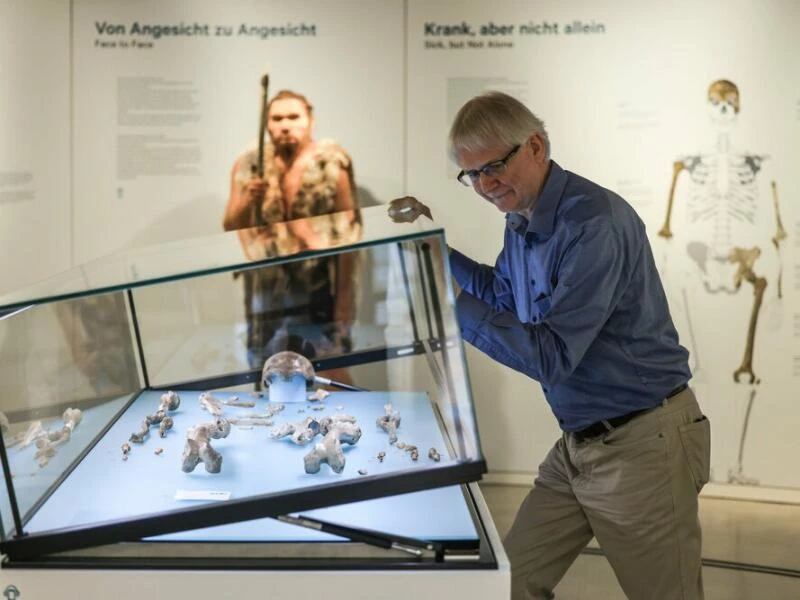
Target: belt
column 607, row 425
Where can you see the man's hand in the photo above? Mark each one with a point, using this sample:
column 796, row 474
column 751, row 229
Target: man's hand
column 407, row 209
column 254, row 191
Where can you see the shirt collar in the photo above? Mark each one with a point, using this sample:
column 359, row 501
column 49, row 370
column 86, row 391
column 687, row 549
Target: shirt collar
column 544, row 212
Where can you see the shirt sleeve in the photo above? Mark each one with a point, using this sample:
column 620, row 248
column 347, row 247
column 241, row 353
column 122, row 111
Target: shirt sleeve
column 591, row 278
column 491, row 285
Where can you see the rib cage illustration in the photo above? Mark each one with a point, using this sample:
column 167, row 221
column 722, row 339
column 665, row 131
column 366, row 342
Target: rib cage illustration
column 725, row 239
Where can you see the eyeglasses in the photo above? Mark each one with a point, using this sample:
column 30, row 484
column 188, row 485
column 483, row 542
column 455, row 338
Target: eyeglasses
column 492, row 169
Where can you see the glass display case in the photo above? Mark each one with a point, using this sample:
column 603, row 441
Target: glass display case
column 139, row 422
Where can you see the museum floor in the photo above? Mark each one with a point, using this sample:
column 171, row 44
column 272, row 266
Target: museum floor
column 764, row 537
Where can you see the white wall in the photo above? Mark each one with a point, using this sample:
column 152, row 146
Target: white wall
column 35, row 200
column 621, row 101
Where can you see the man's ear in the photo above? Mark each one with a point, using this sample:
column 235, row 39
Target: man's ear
column 536, row 144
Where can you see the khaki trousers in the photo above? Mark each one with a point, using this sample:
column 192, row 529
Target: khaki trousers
column 635, row 489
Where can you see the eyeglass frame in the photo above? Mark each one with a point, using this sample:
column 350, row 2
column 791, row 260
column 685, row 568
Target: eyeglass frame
column 471, row 176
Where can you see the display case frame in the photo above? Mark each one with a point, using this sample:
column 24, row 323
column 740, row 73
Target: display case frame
column 430, row 338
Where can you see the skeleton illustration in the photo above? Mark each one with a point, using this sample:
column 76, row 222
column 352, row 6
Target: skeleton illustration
column 724, row 240
column 170, row 401
column 198, row 446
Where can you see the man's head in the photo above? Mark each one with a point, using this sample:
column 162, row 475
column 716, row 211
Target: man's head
column 290, row 122
column 502, row 149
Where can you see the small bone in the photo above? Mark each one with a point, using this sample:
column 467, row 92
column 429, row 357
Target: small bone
column 198, row 446
column 240, row 403
column 165, row 426
column 250, row 422
column 318, row 394
column 169, row 401
column 302, row 432
column 210, row 403
column 389, row 422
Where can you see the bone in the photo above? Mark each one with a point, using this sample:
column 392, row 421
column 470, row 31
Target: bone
column 166, row 425
column 34, row 431
column 407, row 210
column 666, row 231
column 285, row 365
column 745, row 260
column 301, row 432
column 250, row 422
column 318, row 394
column 210, row 403
column 198, row 446
column 330, row 450
column 239, row 403
column 389, row 422
column 48, row 440
column 170, row 401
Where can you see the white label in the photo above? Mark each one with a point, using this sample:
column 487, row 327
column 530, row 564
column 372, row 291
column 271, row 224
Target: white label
column 202, row 495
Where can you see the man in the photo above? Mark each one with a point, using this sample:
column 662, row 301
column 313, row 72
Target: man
column 311, row 300
column 575, row 302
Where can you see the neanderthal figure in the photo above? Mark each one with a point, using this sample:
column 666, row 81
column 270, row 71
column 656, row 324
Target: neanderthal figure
column 726, row 239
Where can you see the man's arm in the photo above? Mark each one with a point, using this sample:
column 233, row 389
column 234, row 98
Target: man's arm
column 491, row 285
column 591, row 280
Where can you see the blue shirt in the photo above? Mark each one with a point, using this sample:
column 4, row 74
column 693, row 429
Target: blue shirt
column 575, row 302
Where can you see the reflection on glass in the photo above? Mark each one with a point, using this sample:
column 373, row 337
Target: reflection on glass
column 308, row 305
column 67, row 369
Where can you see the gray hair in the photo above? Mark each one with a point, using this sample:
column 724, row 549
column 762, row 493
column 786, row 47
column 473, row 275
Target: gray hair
column 493, row 118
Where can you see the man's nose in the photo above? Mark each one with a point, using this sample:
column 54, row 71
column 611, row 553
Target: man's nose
column 486, row 182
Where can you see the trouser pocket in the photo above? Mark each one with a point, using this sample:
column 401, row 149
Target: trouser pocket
column 696, row 441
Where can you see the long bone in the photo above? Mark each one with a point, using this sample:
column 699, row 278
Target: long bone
column 745, row 259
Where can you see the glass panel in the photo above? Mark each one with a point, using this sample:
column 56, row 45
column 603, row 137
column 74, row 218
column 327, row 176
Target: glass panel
column 216, row 253
column 67, row 370
column 381, row 395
